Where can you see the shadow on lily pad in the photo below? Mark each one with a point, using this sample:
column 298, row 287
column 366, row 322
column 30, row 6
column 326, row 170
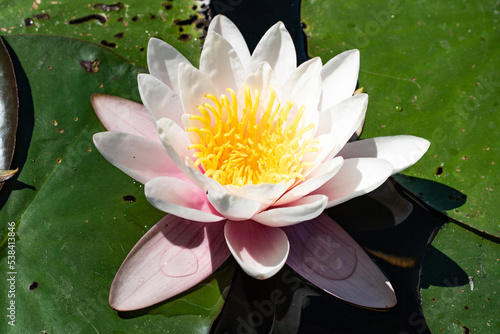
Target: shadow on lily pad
column 440, row 270
column 439, row 196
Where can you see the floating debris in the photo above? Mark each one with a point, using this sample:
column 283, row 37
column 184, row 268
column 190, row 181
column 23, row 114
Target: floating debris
column 90, row 66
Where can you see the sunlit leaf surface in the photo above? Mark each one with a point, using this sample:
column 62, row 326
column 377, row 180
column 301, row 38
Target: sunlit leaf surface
column 122, row 26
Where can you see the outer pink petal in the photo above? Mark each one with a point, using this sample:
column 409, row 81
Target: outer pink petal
column 173, row 256
column 181, row 198
column 340, row 75
column 138, row 157
column 319, row 176
column 163, row 62
column 355, row 178
column 303, row 209
column 122, row 115
column 225, row 27
column 400, row 151
column 324, row 254
column 261, row 251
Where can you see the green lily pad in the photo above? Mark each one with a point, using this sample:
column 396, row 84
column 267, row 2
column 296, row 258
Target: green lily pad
column 8, row 113
column 70, row 217
column 431, row 70
column 125, row 27
column 460, row 290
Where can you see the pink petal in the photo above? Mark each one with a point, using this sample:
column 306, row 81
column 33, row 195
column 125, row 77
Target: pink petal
column 163, row 62
column 324, row 254
column 159, row 99
column 355, row 178
column 227, row 29
column 400, row 151
column 138, row 157
column 340, row 76
column 261, row 251
column 220, row 63
column 122, row 115
column 173, row 256
column 180, row 198
column 318, row 176
column 303, row 209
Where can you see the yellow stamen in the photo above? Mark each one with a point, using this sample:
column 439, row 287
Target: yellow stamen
column 241, row 150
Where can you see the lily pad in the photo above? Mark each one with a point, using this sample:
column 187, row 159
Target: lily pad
column 460, row 290
column 8, row 113
column 124, row 27
column 70, row 217
column 431, row 70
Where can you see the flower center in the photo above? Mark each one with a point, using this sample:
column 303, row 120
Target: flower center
column 242, row 150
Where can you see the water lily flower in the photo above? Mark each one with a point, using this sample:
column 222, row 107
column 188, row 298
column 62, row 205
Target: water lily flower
column 244, row 153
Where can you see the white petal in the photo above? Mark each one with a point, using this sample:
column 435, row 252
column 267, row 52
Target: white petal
column 138, row 157
column 340, row 76
column 343, row 119
column 261, row 79
column 122, row 115
column 176, row 143
column 225, row 27
column 172, row 257
column 327, row 144
column 220, row 63
column 163, row 62
column 319, row 176
column 355, row 178
column 229, row 205
column 400, row 151
column 303, row 209
column 181, row 198
column 276, row 48
column 324, row 254
column 261, row 251
column 303, row 87
column 159, row 99
column 194, row 85
column 265, row 193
